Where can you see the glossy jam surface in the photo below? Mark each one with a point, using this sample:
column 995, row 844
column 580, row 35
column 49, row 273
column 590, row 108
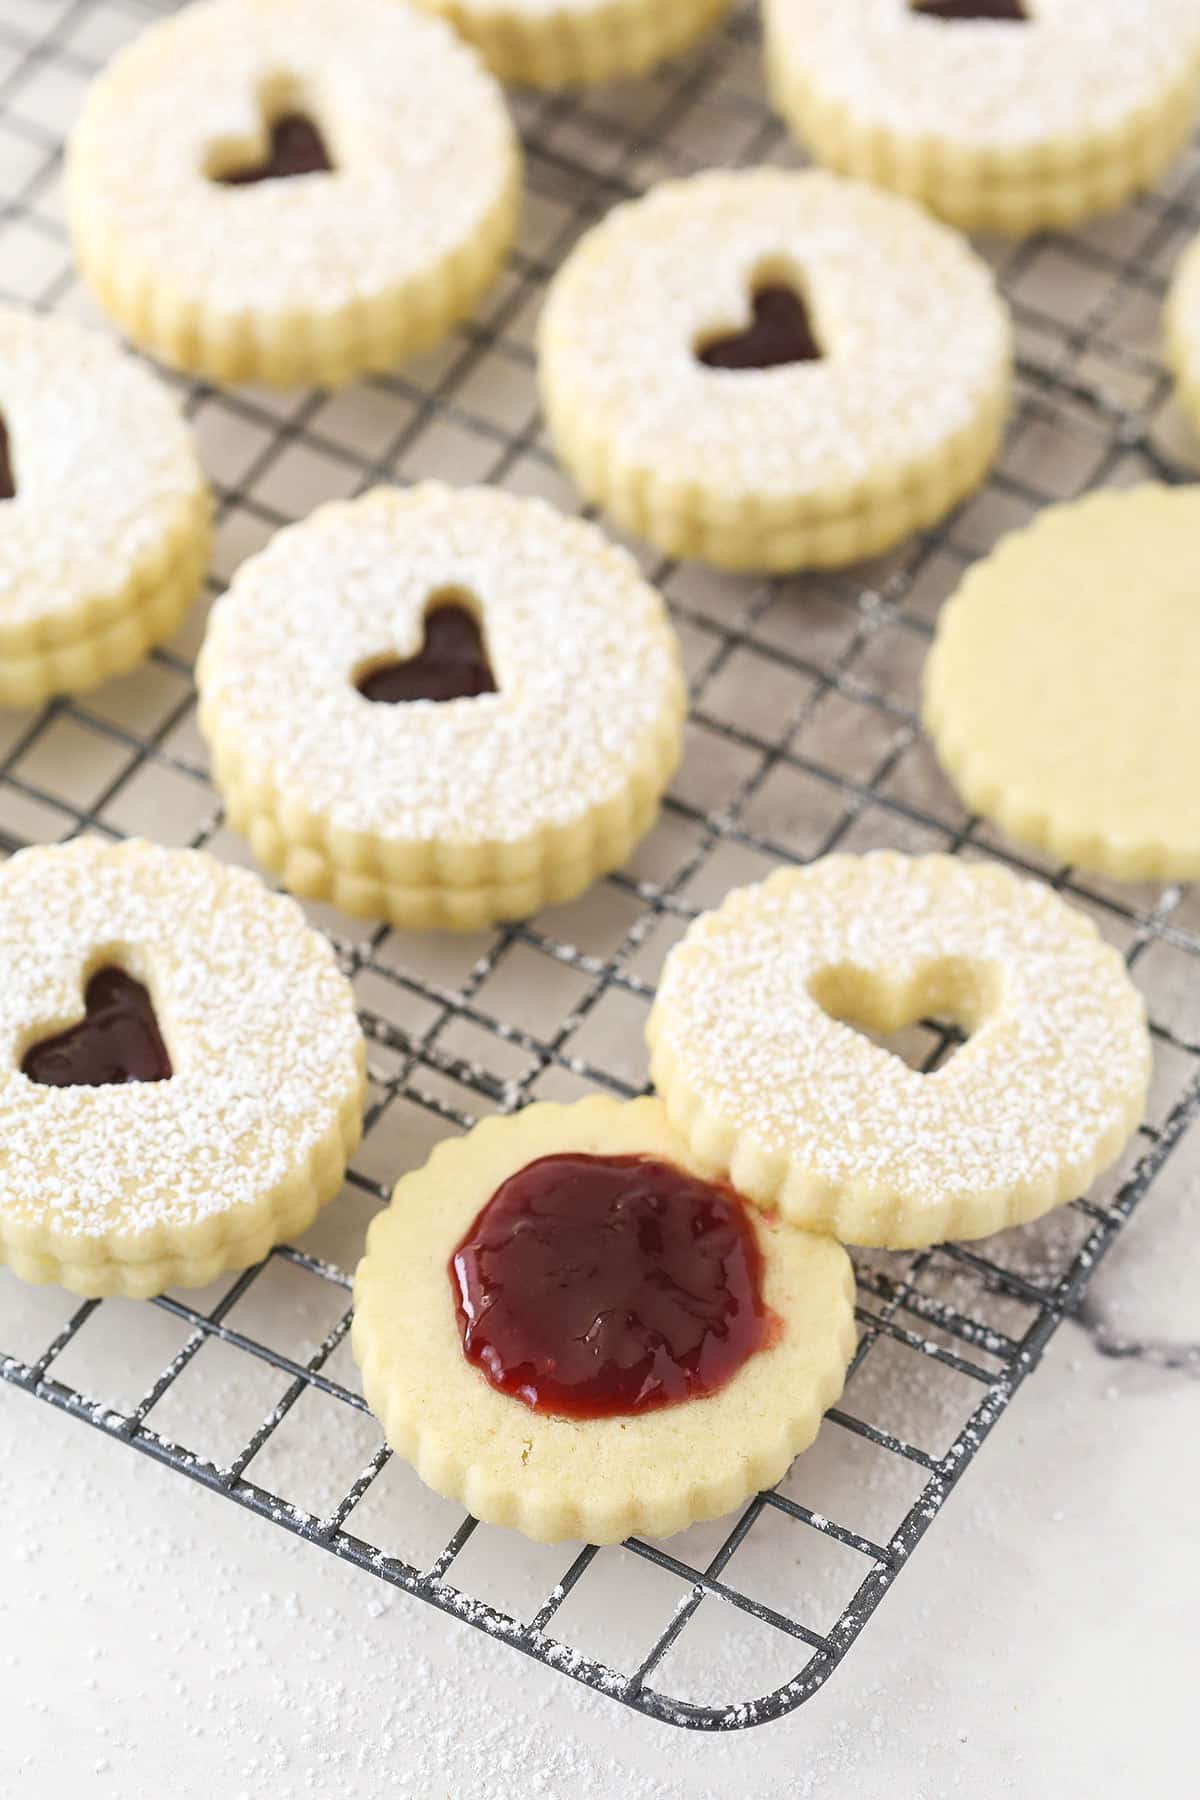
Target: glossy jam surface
column 451, row 664
column 598, row 1285
column 972, row 9
column 116, row 1041
column 779, row 332
column 8, row 487
column 296, row 148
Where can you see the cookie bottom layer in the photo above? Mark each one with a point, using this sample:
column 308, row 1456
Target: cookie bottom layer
column 1101, row 175
column 297, row 347
column 572, row 47
column 192, row 1257
column 682, row 518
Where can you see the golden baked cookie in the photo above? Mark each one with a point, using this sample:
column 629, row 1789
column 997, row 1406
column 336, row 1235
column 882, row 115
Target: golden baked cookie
column 1183, row 331
column 754, row 1050
column 1060, row 692
column 104, row 513
column 292, row 191
column 181, row 1069
column 563, row 1324
column 563, row 43
column 441, row 707
column 773, row 369
column 1000, row 115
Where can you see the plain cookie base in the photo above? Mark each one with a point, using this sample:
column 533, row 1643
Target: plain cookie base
column 108, row 634
column 601, row 1479
column 857, row 1209
column 502, row 881
column 578, row 45
column 681, row 519
column 196, row 1255
column 299, row 347
column 1027, row 809
column 1070, row 181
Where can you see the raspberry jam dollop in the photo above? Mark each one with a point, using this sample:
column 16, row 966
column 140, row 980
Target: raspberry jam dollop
column 296, row 147
column 779, row 333
column 116, row 1041
column 590, row 1286
column 451, row 664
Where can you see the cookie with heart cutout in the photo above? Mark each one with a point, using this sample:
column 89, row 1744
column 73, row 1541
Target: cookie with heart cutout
column 181, row 1068
column 292, row 191
column 104, row 511
column 755, row 1052
column 568, row 1325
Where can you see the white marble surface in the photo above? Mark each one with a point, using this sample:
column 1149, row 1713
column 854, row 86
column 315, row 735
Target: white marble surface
column 157, row 1640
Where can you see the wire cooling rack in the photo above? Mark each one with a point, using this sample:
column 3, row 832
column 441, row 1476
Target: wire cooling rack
column 803, row 738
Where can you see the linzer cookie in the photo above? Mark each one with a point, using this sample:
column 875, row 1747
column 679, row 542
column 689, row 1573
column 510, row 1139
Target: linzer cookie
column 104, row 513
column 1059, row 692
column 1000, row 115
column 292, row 190
column 441, row 707
column 566, row 1324
column 774, row 370
column 755, row 1050
column 556, row 43
column 181, row 1069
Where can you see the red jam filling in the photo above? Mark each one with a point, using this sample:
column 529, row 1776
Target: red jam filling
column 972, row 9
column 591, row 1286
column 451, row 664
column 117, row 1040
column 296, row 148
column 779, row 332
column 8, row 487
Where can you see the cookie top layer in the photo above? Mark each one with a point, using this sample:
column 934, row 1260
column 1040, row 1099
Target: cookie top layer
column 1073, row 69
column 1058, row 690
column 259, row 1027
column 107, row 482
column 754, row 1050
column 584, row 659
column 421, row 145
column 915, row 339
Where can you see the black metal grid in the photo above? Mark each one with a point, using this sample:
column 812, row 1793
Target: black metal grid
column 842, row 766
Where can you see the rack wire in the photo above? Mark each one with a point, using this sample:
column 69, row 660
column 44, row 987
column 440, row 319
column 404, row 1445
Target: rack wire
column 803, row 738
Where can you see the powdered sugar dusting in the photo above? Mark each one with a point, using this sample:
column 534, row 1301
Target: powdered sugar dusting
column 106, row 475
column 915, row 339
column 418, row 133
column 259, row 1024
column 585, row 664
column 1075, row 68
column 1058, row 1060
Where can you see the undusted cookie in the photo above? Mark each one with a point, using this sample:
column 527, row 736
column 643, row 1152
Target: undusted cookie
column 441, row 707
column 999, row 123
column 292, row 190
column 104, row 512
column 664, row 1458
column 882, row 405
column 182, row 1070
column 754, row 1052
column 560, row 43
column 1060, row 692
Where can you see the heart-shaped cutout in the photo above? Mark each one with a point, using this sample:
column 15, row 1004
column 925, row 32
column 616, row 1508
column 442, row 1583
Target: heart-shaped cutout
column 296, row 148
column 452, row 663
column 116, row 1041
column 1011, row 10
column 779, row 333
column 8, row 487
column 924, row 1021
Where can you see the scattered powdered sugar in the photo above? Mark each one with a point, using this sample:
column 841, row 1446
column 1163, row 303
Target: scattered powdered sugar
column 421, row 143
column 585, row 662
column 1073, row 69
column 1056, row 1068
column 258, row 1021
column 106, row 475
column 915, row 339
